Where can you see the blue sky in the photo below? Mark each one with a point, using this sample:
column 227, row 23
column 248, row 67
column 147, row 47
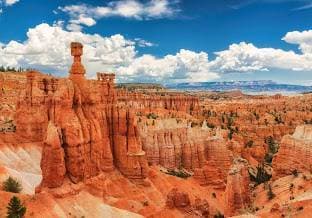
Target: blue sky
column 162, row 40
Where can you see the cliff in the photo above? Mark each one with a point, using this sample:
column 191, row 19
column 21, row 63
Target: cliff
column 295, row 153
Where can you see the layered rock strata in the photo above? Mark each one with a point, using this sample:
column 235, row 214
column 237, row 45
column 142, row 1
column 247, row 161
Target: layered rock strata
column 295, row 153
column 79, row 121
column 237, row 192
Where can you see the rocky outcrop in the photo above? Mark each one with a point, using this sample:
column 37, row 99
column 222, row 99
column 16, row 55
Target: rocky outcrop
column 168, row 101
column 53, row 159
column 218, row 162
column 174, row 145
column 82, row 122
column 237, row 193
column 295, row 153
column 180, row 200
column 176, row 199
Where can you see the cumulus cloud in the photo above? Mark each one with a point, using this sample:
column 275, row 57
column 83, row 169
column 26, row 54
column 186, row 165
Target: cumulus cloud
column 10, row 2
column 303, row 39
column 47, row 48
column 182, row 67
column 117, row 54
column 42, row 51
column 86, row 15
column 245, row 57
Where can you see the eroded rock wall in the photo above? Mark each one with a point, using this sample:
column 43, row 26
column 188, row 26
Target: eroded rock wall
column 295, row 153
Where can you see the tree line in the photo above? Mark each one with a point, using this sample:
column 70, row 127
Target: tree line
column 12, row 69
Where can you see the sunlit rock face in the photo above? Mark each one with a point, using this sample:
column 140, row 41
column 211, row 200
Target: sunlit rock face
column 295, row 153
column 79, row 122
column 237, row 192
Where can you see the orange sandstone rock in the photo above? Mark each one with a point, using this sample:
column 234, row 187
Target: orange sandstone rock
column 295, row 153
column 237, row 193
column 53, row 159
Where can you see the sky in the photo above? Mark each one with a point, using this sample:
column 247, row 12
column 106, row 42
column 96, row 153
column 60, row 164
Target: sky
column 162, row 41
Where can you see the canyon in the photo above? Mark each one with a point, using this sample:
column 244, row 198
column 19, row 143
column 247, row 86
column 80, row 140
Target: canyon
column 86, row 148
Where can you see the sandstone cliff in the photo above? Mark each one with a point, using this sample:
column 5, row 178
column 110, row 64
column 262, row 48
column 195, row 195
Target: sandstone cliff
column 295, row 153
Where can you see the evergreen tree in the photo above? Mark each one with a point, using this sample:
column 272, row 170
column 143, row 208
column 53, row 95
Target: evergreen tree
column 11, row 185
column 15, row 208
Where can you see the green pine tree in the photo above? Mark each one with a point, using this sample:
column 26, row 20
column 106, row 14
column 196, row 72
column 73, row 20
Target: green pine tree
column 15, row 208
column 11, row 185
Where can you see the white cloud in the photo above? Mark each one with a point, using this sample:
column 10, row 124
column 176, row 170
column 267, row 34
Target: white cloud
column 83, row 14
column 184, row 66
column 10, row 2
column 303, row 39
column 42, row 51
column 47, row 49
column 143, row 43
column 6, row 3
column 245, row 57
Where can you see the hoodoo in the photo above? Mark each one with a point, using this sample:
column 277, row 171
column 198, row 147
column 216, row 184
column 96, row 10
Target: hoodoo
column 78, row 145
column 77, row 70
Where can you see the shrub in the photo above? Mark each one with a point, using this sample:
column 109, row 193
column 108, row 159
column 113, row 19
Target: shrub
column 210, row 125
column 268, row 157
column 230, row 134
column 291, row 186
column 214, row 195
column 261, row 176
column 15, row 208
column 11, row 185
column 295, row 173
column 272, row 149
column 249, row 144
column 179, row 173
column 270, row 193
column 218, row 215
column 151, row 116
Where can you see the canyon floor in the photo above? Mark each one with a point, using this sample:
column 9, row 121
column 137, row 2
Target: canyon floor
column 89, row 148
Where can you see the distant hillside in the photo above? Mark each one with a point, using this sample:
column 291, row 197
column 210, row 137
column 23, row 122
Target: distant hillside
column 135, row 86
column 245, row 86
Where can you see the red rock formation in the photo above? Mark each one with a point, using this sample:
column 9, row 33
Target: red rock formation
column 218, row 163
column 237, row 193
column 295, row 152
column 176, row 199
column 96, row 134
column 53, row 165
column 150, row 101
column 77, row 70
column 181, row 201
column 175, row 147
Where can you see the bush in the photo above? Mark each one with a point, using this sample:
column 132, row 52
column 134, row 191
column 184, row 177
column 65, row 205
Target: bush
column 151, row 116
column 218, row 215
column 270, row 193
column 272, row 149
column 15, row 208
column 11, row 185
column 180, row 173
column 261, row 176
column 249, row 144
column 295, row 173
